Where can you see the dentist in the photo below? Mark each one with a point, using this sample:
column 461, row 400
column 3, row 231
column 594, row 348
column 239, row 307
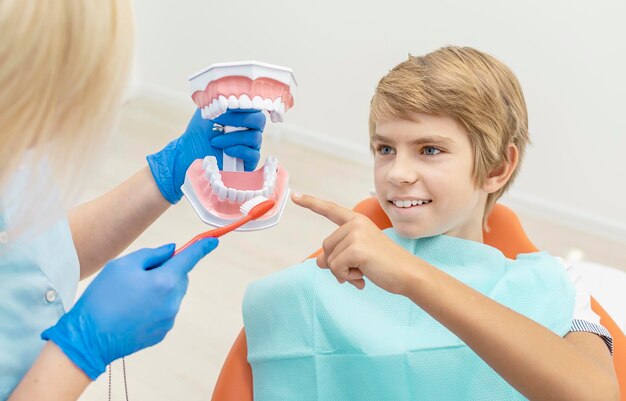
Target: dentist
column 63, row 69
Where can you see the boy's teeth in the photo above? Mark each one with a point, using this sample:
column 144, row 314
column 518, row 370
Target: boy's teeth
column 409, row 203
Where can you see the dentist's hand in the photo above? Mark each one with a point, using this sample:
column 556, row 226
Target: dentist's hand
column 130, row 305
column 200, row 139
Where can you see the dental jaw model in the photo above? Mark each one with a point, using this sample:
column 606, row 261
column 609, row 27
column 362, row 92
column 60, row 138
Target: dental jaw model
column 216, row 195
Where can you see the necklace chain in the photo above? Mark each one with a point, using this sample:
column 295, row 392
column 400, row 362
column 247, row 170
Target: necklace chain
column 124, row 374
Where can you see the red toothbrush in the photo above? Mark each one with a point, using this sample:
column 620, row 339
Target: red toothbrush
column 253, row 209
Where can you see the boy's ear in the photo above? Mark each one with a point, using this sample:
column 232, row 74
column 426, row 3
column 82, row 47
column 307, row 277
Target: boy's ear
column 501, row 174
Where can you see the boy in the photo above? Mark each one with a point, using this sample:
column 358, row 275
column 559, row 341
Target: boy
column 443, row 316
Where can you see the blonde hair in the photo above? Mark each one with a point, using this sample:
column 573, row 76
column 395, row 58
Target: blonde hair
column 64, row 69
column 478, row 91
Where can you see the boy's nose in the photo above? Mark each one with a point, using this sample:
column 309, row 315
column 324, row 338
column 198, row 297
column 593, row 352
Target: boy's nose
column 402, row 172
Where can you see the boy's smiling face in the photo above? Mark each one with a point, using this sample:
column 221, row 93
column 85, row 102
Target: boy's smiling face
column 423, row 177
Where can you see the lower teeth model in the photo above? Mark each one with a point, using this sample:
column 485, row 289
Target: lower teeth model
column 216, row 195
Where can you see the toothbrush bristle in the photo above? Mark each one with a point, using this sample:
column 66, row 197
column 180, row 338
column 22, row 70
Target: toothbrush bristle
column 247, row 206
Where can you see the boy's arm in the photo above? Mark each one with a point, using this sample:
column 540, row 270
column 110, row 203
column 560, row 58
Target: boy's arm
column 538, row 363
column 53, row 377
column 105, row 226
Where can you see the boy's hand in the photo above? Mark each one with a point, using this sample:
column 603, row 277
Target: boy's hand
column 359, row 248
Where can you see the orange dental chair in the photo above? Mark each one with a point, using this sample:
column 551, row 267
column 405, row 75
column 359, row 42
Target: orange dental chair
column 506, row 234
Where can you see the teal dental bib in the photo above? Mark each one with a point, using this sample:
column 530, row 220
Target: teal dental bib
column 310, row 338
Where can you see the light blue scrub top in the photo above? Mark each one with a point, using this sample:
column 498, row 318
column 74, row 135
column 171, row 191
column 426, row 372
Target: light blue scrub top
column 38, row 281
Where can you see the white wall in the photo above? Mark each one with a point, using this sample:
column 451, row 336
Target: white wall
column 570, row 57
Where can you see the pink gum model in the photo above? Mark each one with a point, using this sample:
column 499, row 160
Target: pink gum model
column 264, row 88
column 228, row 209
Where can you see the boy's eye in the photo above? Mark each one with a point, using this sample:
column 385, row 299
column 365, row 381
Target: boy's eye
column 384, row 150
column 431, row 151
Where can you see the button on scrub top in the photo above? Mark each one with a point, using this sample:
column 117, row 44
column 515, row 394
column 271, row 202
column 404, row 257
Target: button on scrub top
column 38, row 281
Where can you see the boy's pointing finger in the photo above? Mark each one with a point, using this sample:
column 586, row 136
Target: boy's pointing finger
column 333, row 212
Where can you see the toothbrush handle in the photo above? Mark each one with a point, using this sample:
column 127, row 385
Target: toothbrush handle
column 215, row 233
column 230, row 163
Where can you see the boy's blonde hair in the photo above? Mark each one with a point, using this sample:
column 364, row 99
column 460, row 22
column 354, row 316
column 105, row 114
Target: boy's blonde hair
column 478, row 91
column 64, row 69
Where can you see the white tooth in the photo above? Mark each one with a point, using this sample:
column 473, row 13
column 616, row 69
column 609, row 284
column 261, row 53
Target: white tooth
column 275, row 117
column 233, row 103
column 212, row 163
column 281, row 108
column 269, row 105
column 415, row 202
column 231, row 194
column 245, row 102
column 407, row 203
column 270, row 187
column 277, row 102
column 223, row 103
column 241, row 196
column 221, row 192
column 258, row 192
column 257, row 103
column 213, row 110
column 206, row 162
column 271, row 179
column 249, row 194
column 268, row 171
column 205, row 112
column 266, row 192
column 216, row 176
column 216, row 106
column 272, row 161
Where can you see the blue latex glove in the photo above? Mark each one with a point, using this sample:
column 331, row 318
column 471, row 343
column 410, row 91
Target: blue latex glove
column 199, row 140
column 130, row 305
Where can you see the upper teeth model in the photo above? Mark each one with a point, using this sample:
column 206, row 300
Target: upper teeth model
column 214, row 194
column 245, row 85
